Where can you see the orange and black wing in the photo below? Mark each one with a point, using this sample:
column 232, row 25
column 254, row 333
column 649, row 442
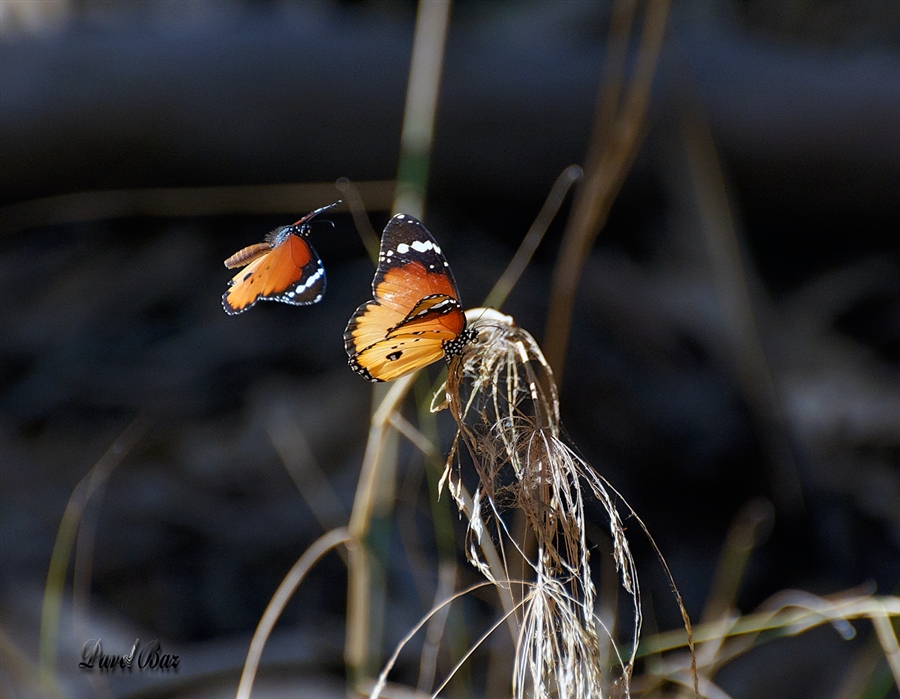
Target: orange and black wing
column 415, row 317
column 285, row 268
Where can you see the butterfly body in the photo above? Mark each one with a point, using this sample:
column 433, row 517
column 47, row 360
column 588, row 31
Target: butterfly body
column 284, row 268
column 415, row 317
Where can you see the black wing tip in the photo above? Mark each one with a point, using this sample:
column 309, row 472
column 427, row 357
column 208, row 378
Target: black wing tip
column 409, row 218
column 405, row 217
column 399, row 220
column 231, row 310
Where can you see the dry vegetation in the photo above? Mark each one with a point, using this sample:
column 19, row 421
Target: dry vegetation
column 564, row 604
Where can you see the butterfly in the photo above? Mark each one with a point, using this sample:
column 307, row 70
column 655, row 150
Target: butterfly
column 415, row 317
column 285, row 268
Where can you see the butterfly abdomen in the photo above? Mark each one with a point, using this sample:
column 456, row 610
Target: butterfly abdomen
column 246, row 255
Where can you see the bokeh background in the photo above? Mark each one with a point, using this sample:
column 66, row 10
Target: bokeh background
column 769, row 171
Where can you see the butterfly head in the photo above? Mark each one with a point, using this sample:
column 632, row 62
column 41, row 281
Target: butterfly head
column 302, row 226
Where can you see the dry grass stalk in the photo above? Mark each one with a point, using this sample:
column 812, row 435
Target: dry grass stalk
column 503, row 397
column 77, row 531
column 616, row 136
column 290, row 583
column 167, row 202
column 787, row 613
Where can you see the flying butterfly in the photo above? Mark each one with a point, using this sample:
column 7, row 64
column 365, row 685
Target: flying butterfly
column 285, row 268
column 415, row 317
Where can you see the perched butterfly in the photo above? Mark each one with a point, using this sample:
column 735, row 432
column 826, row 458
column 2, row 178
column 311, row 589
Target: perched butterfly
column 415, row 318
column 285, row 268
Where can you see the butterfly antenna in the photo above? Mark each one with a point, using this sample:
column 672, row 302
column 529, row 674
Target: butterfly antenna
column 303, row 221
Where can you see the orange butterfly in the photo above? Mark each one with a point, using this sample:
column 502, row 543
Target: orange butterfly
column 285, row 268
column 415, row 317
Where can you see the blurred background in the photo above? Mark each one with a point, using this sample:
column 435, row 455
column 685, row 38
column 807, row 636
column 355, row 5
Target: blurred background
column 734, row 354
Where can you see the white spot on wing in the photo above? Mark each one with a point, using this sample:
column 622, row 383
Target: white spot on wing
column 424, row 246
column 403, row 248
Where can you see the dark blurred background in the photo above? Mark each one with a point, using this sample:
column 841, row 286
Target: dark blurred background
column 768, row 181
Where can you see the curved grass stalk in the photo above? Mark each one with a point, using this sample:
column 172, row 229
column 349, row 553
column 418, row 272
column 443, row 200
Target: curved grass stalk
column 92, row 483
column 282, row 595
column 510, row 277
column 788, row 613
column 382, row 677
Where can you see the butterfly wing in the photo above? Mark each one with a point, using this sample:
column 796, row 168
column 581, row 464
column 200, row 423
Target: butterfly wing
column 290, row 272
column 416, row 307
column 391, row 359
column 418, row 340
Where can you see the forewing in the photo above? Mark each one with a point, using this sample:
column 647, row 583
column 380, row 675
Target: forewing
column 411, row 266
